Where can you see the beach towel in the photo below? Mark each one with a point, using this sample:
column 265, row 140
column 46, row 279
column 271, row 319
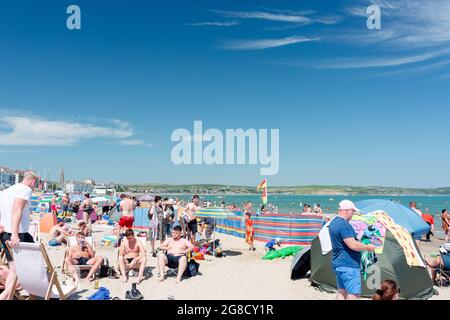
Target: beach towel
column 101, row 294
column 325, row 240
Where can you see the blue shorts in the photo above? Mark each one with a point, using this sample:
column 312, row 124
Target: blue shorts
column 54, row 243
column 349, row 279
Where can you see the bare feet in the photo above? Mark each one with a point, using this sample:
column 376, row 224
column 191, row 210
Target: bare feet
column 124, row 279
column 178, row 281
column 140, row 279
column 161, row 278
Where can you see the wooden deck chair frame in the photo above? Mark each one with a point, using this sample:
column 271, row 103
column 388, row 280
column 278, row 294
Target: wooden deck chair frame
column 64, row 268
column 53, row 280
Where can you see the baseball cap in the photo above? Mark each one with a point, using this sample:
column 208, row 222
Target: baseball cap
column 347, row 205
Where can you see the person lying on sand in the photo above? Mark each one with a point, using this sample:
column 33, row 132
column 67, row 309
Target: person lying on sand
column 132, row 256
column 175, row 257
column 83, row 255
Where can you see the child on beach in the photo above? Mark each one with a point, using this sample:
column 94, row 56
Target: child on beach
column 249, row 232
column 270, row 246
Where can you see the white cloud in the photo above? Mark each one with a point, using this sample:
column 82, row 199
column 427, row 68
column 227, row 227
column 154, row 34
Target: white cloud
column 133, row 142
column 280, row 17
column 214, row 24
column 382, row 62
column 260, row 44
column 33, row 131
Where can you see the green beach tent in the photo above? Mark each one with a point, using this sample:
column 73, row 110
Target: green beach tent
column 414, row 281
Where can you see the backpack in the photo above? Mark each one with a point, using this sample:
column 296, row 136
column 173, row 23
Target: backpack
column 104, row 269
column 192, row 269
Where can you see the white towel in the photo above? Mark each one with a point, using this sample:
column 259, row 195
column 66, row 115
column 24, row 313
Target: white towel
column 325, row 240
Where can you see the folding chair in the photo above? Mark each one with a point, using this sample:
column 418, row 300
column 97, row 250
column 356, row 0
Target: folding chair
column 39, row 280
column 72, row 242
column 443, row 271
column 144, row 242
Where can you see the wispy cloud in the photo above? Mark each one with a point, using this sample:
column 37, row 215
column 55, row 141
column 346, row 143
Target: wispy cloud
column 260, row 44
column 381, row 62
column 214, row 24
column 264, row 15
column 132, row 142
column 34, row 131
column 303, row 17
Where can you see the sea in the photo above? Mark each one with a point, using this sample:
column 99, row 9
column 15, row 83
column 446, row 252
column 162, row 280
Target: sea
column 432, row 204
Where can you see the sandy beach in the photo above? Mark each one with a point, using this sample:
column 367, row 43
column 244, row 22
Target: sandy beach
column 241, row 275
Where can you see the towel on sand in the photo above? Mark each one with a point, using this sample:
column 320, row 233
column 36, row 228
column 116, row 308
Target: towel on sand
column 101, row 294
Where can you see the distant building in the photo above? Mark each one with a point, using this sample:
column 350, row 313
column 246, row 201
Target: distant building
column 7, row 177
column 78, row 187
column 104, row 190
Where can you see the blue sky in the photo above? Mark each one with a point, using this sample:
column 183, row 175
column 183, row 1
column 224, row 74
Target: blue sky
column 354, row 106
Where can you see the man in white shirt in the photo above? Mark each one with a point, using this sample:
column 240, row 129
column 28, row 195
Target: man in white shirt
column 15, row 218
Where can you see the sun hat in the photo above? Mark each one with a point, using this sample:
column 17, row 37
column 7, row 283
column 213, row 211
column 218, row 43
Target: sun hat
column 278, row 240
column 347, row 205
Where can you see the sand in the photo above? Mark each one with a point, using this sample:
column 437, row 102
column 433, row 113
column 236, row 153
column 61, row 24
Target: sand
column 241, row 275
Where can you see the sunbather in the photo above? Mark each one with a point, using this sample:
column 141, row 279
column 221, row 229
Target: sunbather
column 58, row 234
column 441, row 261
column 4, row 271
column 83, row 255
column 176, row 256
column 84, row 229
column 132, row 256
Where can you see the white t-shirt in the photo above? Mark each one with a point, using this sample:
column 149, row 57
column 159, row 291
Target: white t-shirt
column 7, row 198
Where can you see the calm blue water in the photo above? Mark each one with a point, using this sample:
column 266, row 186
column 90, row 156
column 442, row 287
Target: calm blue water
column 329, row 203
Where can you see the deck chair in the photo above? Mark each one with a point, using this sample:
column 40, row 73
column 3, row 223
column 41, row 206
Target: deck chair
column 71, row 242
column 144, row 242
column 36, row 274
column 443, row 271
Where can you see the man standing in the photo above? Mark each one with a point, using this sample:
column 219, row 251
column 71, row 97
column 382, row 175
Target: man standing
column 191, row 208
column 65, row 204
column 346, row 252
column 15, row 218
column 127, row 206
column 413, row 207
column 53, row 204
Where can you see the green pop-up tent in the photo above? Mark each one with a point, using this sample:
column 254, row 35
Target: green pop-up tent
column 394, row 263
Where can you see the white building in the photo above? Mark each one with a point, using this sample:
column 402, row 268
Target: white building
column 78, row 187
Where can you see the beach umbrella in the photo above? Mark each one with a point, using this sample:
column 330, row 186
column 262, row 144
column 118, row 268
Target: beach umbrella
column 99, row 199
column 146, row 197
column 76, row 197
column 402, row 215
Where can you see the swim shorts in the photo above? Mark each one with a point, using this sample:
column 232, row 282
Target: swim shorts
column 349, row 279
column 54, row 243
column 126, row 222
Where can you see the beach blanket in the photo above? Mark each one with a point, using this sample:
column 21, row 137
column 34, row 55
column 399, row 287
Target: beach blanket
column 404, row 238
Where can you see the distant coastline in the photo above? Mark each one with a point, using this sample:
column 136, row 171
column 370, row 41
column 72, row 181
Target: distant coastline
column 319, row 190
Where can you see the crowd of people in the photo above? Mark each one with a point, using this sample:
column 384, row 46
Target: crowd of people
column 174, row 232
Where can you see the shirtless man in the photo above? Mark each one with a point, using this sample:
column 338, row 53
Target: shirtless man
column 190, row 210
column 83, row 255
column 176, row 257
column 53, row 203
column 65, row 204
column 84, row 229
column 58, row 234
column 132, row 256
column 127, row 206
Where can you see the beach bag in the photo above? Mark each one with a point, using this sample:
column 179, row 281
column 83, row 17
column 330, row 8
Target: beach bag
column 192, row 269
column 104, row 269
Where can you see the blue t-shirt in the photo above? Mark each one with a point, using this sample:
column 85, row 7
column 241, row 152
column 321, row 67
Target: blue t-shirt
column 271, row 244
column 340, row 229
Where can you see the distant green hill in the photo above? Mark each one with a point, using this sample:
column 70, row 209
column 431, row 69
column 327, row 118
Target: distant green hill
column 312, row 189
